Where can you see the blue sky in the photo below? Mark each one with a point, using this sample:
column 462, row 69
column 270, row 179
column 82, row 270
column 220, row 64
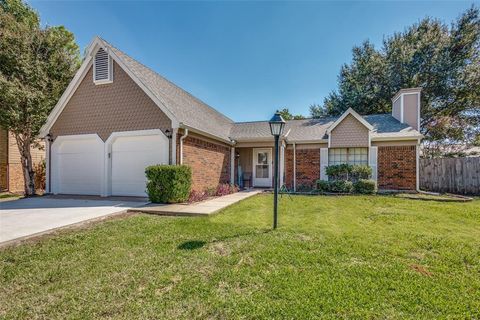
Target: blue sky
column 246, row 59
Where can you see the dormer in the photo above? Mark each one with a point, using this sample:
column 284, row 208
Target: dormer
column 102, row 67
column 406, row 107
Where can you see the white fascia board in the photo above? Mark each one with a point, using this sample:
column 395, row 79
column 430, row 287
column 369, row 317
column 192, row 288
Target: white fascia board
column 344, row 115
column 308, row 141
column 208, row 135
column 397, row 138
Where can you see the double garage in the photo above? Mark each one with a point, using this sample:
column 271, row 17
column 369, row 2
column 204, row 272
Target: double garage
column 86, row 165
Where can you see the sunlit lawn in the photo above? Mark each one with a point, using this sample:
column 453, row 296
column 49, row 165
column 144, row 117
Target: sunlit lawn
column 332, row 257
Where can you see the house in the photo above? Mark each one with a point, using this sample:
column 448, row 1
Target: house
column 117, row 116
column 11, row 172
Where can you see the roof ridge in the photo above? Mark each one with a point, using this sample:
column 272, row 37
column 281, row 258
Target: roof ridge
column 170, row 82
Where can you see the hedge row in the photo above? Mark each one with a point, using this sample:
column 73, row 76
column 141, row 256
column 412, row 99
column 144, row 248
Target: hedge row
column 362, row 186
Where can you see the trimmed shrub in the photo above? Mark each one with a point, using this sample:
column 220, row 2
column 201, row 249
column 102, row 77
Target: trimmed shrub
column 361, row 172
column 365, row 186
column 323, row 186
column 341, row 186
column 168, row 184
column 339, row 171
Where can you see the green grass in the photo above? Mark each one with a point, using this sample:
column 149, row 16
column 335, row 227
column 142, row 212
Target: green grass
column 332, row 257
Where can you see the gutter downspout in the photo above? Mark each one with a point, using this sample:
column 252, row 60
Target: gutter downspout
column 294, row 167
column 185, row 134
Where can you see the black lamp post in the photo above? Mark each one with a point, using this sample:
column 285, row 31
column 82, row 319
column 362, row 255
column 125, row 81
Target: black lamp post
column 276, row 128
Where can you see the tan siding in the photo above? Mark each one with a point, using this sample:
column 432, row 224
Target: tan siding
column 396, row 109
column 349, row 133
column 103, row 109
column 410, row 110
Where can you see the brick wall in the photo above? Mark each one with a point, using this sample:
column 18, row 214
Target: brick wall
column 397, row 167
column 3, row 158
column 209, row 160
column 13, row 167
column 307, row 168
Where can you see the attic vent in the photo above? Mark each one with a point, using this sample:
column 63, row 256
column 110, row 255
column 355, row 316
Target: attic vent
column 102, row 71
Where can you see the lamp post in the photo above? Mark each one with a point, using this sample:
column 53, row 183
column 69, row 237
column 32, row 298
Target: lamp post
column 276, row 128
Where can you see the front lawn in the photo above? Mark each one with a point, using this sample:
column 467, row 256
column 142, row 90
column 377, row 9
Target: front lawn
column 332, row 257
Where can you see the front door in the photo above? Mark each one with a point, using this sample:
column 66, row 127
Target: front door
column 262, row 167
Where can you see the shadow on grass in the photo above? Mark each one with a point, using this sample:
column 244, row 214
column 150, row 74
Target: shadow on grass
column 191, row 245
column 197, row 244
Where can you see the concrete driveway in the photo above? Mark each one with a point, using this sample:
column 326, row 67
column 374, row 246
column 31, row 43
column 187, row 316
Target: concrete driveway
column 27, row 217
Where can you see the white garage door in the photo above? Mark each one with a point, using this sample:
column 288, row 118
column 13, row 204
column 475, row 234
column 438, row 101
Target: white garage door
column 77, row 165
column 130, row 156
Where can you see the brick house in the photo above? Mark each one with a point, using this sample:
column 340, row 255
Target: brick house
column 117, row 116
column 11, row 174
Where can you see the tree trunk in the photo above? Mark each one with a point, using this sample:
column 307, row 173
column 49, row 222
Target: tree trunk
column 24, row 146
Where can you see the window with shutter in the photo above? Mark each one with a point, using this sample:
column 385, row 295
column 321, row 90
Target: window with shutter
column 102, row 70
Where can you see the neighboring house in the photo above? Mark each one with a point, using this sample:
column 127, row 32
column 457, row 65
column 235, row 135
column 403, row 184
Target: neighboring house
column 11, row 174
column 118, row 116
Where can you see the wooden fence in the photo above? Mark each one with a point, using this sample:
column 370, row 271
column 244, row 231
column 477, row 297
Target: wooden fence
column 452, row 175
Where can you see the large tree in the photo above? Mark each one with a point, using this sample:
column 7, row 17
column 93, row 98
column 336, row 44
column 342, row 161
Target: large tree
column 286, row 115
column 36, row 65
column 443, row 60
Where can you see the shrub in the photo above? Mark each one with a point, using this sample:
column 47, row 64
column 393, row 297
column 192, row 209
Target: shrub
column 341, row 186
column 168, row 183
column 365, row 186
column 323, row 186
column 196, row 196
column 359, row 172
column 40, row 175
column 224, row 188
column 339, row 171
column 348, row 172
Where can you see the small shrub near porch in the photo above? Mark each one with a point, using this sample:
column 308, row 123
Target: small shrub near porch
column 168, row 183
column 346, row 178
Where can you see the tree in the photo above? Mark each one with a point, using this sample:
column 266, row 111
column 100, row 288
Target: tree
column 443, row 60
column 36, row 65
column 286, row 115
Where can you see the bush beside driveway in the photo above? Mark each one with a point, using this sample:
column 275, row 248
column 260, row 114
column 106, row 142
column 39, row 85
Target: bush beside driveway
column 332, row 257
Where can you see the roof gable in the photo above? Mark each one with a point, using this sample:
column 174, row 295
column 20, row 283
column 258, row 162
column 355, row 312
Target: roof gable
column 352, row 112
column 181, row 107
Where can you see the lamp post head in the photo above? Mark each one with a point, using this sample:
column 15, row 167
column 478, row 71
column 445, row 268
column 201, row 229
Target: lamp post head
column 277, row 124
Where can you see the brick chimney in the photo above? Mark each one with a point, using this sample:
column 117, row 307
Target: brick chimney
column 406, row 107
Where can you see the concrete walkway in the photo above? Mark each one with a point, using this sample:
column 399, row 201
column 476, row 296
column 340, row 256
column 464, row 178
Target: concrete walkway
column 197, row 209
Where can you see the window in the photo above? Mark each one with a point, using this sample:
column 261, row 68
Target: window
column 103, row 65
column 354, row 156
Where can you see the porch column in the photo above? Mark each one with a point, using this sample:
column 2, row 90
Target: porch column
column 232, row 166
column 282, row 163
column 47, row 165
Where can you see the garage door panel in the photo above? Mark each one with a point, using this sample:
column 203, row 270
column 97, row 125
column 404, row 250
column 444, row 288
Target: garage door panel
column 78, row 165
column 130, row 157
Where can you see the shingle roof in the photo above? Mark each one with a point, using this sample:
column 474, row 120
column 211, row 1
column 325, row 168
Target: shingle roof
column 194, row 113
column 186, row 108
column 315, row 129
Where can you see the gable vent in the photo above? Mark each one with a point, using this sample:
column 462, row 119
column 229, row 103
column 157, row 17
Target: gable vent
column 102, row 72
